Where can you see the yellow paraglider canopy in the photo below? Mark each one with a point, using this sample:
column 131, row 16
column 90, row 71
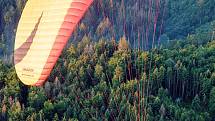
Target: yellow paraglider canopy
column 44, row 29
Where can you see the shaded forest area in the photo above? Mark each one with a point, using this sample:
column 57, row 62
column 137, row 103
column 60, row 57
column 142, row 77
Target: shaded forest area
column 174, row 20
column 103, row 75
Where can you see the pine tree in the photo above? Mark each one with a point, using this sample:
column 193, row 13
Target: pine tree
column 56, row 117
column 212, row 102
column 118, row 76
column 123, row 45
column 3, row 112
column 98, row 71
column 196, row 104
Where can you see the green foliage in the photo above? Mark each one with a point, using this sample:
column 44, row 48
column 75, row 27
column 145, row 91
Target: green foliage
column 12, row 87
column 15, row 112
column 196, row 103
column 180, row 87
column 36, row 98
column 103, row 80
column 3, row 70
column 48, row 109
column 211, row 104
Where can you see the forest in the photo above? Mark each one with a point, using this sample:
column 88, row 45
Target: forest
column 104, row 75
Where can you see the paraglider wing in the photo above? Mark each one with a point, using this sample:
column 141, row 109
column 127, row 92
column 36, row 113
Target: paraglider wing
column 43, row 31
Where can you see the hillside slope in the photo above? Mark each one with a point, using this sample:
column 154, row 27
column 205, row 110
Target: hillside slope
column 176, row 19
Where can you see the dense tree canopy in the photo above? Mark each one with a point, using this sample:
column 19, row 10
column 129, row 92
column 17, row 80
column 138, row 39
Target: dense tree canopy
column 103, row 75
